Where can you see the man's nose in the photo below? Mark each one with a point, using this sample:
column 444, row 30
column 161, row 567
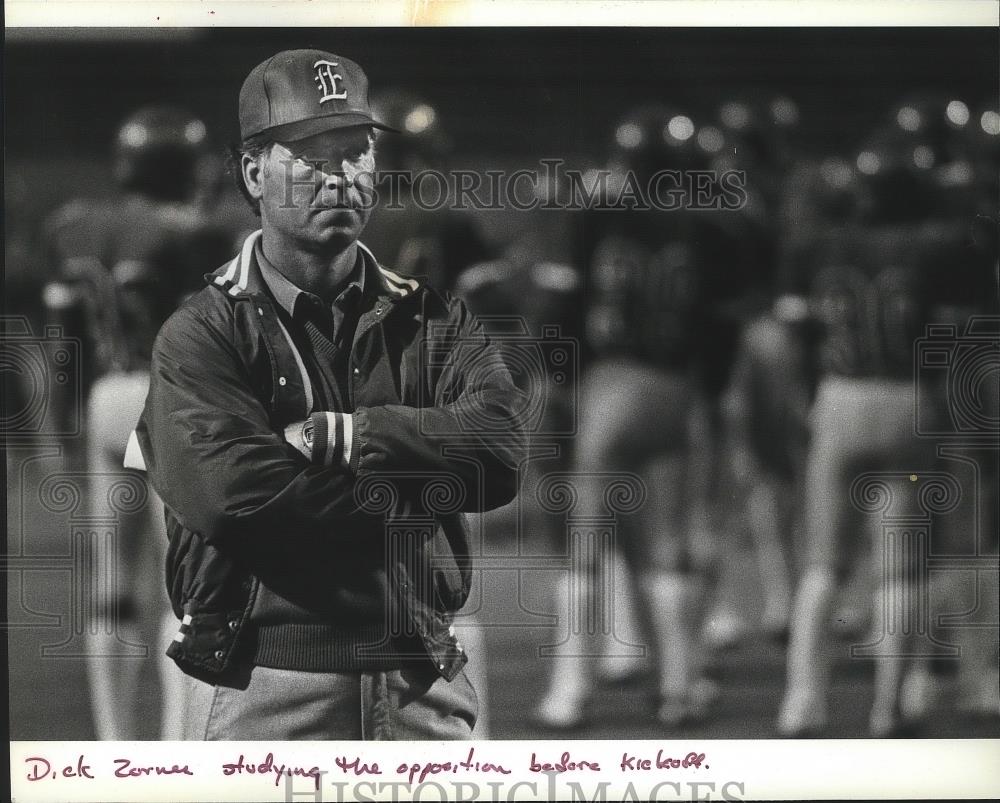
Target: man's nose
column 337, row 178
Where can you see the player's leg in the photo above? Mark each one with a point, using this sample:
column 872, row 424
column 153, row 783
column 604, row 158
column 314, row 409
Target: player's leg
column 707, row 512
column 611, row 408
column 891, row 593
column 972, row 528
column 825, row 517
column 113, row 669
column 616, row 666
column 673, row 589
column 572, row 679
column 979, row 666
column 171, row 678
column 904, row 458
column 768, row 518
column 571, row 674
column 754, row 485
column 669, row 582
column 778, row 354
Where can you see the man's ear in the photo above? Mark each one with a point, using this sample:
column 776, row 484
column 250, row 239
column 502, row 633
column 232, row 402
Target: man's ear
column 252, row 176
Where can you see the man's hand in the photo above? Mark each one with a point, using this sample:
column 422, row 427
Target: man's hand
column 300, row 435
column 325, row 439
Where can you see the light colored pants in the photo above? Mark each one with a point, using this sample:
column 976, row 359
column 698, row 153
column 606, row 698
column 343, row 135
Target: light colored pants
column 282, row 704
column 858, row 425
column 145, row 618
column 638, row 418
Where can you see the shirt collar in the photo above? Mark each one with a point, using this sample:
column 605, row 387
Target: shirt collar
column 286, row 293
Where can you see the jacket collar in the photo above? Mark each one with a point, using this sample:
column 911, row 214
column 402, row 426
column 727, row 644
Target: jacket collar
column 287, row 294
column 241, row 276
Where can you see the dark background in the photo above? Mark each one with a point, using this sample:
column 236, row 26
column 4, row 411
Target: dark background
column 504, row 90
column 506, row 95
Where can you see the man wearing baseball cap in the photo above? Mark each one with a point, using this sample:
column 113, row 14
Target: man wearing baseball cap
column 316, row 426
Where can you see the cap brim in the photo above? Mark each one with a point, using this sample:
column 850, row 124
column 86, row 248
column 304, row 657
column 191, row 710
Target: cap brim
column 302, row 129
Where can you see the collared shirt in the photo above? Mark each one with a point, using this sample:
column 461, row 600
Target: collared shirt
column 322, row 332
column 294, row 300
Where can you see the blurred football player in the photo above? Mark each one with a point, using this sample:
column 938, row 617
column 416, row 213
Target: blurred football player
column 416, row 235
column 873, row 283
column 122, row 265
column 771, row 390
column 751, row 351
column 966, row 174
column 642, row 410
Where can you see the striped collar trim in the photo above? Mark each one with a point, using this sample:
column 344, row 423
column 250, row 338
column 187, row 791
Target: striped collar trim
column 397, row 284
column 234, row 275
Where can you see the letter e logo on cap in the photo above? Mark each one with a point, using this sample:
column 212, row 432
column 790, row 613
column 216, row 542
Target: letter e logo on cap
column 327, row 79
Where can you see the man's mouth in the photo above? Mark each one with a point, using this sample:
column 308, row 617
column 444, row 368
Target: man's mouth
column 333, row 202
column 342, row 206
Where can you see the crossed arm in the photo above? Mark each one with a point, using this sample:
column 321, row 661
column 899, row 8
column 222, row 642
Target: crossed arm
column 224, row 469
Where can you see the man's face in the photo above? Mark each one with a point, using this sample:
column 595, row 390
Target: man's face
column 316, row 192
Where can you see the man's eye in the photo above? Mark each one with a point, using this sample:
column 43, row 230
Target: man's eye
column 353, row 155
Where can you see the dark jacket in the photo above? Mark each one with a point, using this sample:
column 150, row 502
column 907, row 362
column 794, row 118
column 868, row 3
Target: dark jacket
column 435, row 416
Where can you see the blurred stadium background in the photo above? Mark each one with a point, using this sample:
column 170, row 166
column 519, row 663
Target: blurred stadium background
column 509, row 96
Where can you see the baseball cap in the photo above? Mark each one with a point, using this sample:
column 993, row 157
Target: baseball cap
column 298, row 93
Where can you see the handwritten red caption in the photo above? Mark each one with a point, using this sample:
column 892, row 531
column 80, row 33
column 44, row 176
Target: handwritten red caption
column 629, row 763
column 563, row 764
column 270, row 767
column 661, row 762
column 40, row 768
column 420, row 772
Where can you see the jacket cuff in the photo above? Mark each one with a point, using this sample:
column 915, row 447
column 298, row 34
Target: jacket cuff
column 333, row 440
column 359, row 422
